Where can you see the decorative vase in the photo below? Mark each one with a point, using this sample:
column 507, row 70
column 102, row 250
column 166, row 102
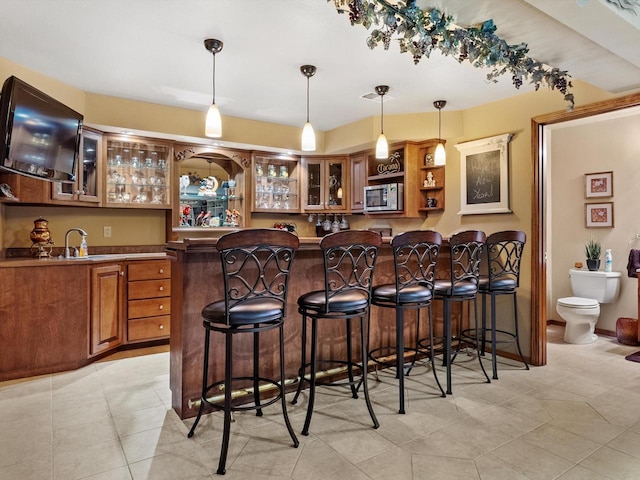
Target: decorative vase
column 593, row 265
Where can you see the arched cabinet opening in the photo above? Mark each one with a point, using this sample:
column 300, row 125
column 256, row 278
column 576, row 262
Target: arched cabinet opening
column 210, row 188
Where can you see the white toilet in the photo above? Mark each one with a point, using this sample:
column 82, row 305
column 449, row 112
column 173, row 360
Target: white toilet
column 582, row 311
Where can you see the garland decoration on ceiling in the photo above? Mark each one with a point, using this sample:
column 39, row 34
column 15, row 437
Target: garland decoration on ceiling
column 631, row 5
column 420, row 32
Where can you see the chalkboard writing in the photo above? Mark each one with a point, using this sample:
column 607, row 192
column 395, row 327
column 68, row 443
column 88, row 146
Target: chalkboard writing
column 483, row 177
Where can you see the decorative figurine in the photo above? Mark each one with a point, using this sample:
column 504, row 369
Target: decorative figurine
column 41, row 238
column 430, row 181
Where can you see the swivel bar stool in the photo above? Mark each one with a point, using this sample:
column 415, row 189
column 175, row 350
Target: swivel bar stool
column 504, row 252
column 349, row 258
column 466, row 250
column 255, row 271
column 415, row 255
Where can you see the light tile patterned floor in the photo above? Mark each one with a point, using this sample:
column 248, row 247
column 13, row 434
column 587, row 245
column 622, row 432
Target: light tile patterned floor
column 578, row 418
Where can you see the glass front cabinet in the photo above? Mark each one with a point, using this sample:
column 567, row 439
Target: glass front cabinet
column 275, row 186
column 324, row 183
column 137, row 172
column 87, row 186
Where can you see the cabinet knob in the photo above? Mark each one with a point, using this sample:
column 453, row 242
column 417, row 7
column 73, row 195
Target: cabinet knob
column 161, row 307
column 161, row 289
column 162, row 270
column 161, row 327
column 122, row 273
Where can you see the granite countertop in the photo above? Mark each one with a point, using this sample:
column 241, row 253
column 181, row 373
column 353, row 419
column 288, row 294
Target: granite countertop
column 45, row 262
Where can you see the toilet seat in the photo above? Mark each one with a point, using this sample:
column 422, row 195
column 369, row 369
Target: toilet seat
column 578, row 302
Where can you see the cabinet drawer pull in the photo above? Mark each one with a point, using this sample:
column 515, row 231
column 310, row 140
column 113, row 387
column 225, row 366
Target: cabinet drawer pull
column 161, row 307
column 161, row 289
column 162, row 270
column 161, row 327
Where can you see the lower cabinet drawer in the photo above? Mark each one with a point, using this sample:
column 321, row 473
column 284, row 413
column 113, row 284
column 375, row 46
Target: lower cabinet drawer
column 149, row 328
column 148, row 289
column 149, row 307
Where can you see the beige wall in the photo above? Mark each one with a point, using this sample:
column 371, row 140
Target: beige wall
column 597, row 146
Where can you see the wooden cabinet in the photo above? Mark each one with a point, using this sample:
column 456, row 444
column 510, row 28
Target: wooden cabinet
column 138, row 172
column 405, row 165
column 106, row 308
column 325, row 183
column 148, row 300
column 276, row 186
column 358, row 163
column 88, row 185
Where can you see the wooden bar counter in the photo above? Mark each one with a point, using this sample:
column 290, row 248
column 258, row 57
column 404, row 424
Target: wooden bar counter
column 196, row 281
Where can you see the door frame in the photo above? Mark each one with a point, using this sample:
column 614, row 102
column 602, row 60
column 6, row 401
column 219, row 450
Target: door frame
column 538, row 221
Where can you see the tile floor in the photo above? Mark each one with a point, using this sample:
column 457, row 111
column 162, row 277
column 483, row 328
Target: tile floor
column 576, row 418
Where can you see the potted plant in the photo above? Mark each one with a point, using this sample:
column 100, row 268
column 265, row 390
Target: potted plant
column 593, row 250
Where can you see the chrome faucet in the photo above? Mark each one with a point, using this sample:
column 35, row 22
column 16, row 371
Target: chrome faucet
column 66, row 240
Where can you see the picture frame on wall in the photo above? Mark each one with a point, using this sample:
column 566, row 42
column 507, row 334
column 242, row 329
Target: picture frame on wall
column 484, row 175
column 598, row 185
column 598, row 215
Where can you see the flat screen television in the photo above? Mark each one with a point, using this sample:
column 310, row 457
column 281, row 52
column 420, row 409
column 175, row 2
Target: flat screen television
column 39, row 136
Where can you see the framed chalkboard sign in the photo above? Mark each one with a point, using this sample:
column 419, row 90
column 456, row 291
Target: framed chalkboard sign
column 484, row 175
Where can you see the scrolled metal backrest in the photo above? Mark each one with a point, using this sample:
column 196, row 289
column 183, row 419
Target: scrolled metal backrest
column 256, row 264
column 349, row 260
column 504, row 252
column 466, row 254
column 415, row 255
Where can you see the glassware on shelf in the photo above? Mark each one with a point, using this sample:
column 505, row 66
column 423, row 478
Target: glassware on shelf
column 335, row 225
column 326, row 224
column 344, row 224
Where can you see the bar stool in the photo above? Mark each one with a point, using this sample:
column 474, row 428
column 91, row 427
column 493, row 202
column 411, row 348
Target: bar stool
column 504, row 252
column 349, row 258
column 255, row 271
column 415, row 254
column 460, row 286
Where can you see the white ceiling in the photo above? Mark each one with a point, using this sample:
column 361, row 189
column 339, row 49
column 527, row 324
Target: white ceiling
column 152, row 50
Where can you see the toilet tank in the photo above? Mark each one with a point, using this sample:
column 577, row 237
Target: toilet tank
column 601, row 286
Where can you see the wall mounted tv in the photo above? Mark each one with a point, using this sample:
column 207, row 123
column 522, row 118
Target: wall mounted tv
column 39, row 136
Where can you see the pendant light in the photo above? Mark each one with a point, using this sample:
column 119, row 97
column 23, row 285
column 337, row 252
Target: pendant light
column 213, row 126
column 440, row 157
column 382, row 146
column 308, row 135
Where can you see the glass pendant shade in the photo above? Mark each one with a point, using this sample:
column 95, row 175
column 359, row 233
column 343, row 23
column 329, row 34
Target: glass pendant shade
column 382, row 147
column 213, row 126
column 308, row 138
column 440, row 157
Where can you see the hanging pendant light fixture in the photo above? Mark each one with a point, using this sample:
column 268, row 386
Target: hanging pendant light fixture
column 440, row 157
column 213, row 126
column 382, row 146
column 308, row 135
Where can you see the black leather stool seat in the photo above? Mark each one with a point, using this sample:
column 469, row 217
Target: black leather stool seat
column 412, row 294
column 251, row 312
column 349, row 301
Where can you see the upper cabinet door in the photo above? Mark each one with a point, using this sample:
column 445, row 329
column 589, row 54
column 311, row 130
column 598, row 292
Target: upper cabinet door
column 358, row 181
column 275, row 183
column 324, row 186
column 87, row 187
column 137, row 173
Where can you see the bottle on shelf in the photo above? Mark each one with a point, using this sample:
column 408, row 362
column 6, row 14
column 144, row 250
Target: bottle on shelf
column 608, row 260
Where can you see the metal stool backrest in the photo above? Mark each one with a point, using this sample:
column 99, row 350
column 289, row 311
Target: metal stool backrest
column 504, row 252
column 349, row 259
column 415, row 255
column 466, row 250
column 256, row 265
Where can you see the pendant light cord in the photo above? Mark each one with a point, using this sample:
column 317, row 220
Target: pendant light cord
column 439, row 124
column 381, row 113
column 307, row 99
column 214, row 79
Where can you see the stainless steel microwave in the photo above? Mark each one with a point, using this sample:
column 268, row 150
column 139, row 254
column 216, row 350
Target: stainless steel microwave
column 384, row 198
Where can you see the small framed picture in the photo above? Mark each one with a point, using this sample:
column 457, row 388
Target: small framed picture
column 598, row 215
column 598, row 185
